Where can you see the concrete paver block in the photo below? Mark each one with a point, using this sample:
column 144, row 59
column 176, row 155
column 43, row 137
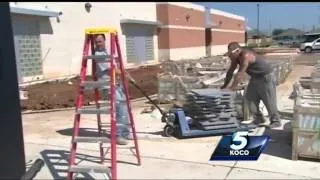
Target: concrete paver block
column 254, row 174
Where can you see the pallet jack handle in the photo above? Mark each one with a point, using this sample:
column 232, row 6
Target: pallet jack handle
column 34, row 169
column 134, row 83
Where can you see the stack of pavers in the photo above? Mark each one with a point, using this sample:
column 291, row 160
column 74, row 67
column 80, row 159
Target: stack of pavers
column 312, row 82
column 315, row 79
column 178, row 77
column 212, row 109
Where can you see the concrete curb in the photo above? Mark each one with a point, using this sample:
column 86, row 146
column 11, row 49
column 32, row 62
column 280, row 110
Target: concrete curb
column 46, row 110
column 72, row 108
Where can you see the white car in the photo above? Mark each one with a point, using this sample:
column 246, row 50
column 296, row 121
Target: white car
column 308, row 47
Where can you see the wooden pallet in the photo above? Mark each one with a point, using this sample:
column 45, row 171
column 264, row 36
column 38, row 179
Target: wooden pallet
column 309, row 147
column 306, row 127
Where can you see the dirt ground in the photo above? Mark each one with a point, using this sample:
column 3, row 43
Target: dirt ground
column 52, row 95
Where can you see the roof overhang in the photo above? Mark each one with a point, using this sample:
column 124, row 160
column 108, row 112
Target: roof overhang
column 211, row 25
column 311, row 33
column 248, row 28
column 35, row 12
column 142, row 22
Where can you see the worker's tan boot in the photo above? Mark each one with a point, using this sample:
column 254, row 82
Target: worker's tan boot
column 129, row 137
column 121, row 141
column 260, row 120
column 275, row 124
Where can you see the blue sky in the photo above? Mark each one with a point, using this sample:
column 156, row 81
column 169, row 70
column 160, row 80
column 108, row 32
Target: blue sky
column 274, row 15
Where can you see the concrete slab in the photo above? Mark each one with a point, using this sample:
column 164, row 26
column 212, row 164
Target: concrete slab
column 50, row 133
column 277, row 160
column 279, row 150
column 48, row 136
column 254, row 174
column 174, row 160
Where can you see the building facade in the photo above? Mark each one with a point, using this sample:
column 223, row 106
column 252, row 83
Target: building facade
column 49, row 36
column 190, row 31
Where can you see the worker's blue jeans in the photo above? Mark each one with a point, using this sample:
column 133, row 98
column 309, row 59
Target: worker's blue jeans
column 122, row 113
column 122, row 117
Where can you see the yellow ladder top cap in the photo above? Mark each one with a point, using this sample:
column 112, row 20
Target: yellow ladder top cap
column 100, row 30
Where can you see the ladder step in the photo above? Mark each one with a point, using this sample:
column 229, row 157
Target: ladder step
column 96, row 84
column 91, row 140
column 98, row 57
column 105, row 124
column 105, row 104
column 89, row 169
column 109, row 124
column 93, row 110
column 102, row 103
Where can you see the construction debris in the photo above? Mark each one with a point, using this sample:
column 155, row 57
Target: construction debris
column 281, row 67
column 181, row 76
column 312, row 82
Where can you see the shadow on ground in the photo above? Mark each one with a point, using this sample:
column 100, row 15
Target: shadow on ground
column 57, row 163
column 280, row 143
column 92, row 132
column 85, row 132
column 281, row 139
column 286, row 115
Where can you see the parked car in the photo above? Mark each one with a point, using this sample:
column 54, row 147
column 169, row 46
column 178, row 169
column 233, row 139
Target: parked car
column 285, row 42
column 308, row 46
column 289, row 42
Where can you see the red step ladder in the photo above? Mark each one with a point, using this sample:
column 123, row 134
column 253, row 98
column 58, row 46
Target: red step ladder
column 115, row 60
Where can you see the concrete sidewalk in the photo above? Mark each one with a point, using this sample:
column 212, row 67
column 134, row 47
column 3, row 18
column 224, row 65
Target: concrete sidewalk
column 48, row 136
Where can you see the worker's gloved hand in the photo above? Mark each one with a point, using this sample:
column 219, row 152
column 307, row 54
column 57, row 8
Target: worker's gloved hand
column 226, row 89
column 117, row 71
column 223, row 87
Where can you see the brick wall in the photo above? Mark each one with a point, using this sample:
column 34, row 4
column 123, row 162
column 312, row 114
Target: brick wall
column 183, row 34
column 228, row 28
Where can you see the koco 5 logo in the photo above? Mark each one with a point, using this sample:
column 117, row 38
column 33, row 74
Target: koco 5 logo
column 239, row 146
column 238, row 149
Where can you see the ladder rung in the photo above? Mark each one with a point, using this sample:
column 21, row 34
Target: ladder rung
column 89, row 169
column 96, row 84
column 105, row 104
column 91, row 140
column 98, row 57
column 109, row 124
column 105, row 124
column 94, row 110
column 102, row 103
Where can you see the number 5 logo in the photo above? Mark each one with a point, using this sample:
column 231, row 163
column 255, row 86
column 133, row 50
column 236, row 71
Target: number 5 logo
column 239, row 137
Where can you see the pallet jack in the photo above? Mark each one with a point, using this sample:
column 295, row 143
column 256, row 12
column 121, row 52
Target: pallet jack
column 178, row 124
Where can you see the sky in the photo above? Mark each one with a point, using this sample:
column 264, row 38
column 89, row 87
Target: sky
column 274, row 15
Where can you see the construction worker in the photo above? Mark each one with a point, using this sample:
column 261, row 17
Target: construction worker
column 261, row 86
column 123, row 131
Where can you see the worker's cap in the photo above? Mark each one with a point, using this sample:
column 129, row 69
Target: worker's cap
column 233, row 47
